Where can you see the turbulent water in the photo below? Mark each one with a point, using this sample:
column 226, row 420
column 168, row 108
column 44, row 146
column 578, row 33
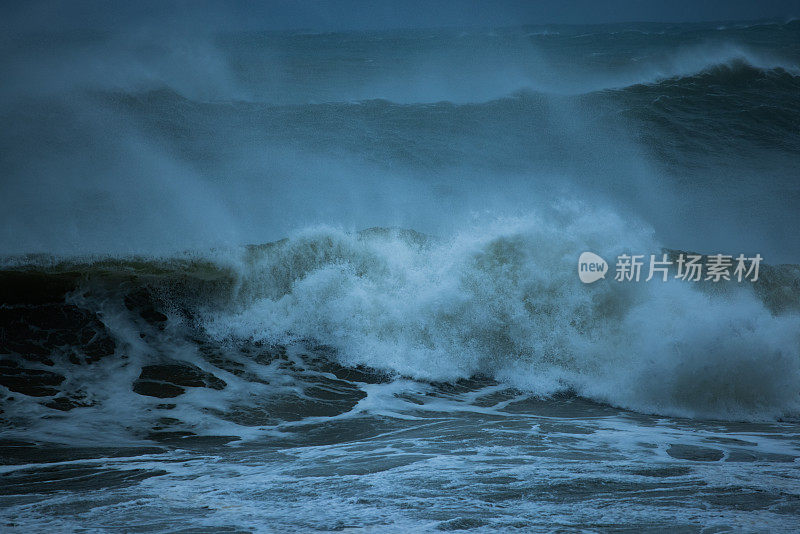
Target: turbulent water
column 296, row 281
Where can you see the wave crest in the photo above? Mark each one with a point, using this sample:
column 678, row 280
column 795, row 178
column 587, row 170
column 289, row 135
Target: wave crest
column 505, row 302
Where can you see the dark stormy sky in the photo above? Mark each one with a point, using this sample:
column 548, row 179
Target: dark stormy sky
column 332, row 15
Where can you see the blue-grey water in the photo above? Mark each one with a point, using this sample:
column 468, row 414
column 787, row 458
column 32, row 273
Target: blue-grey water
column 279, row 282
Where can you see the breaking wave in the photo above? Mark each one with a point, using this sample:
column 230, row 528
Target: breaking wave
column 500, row 300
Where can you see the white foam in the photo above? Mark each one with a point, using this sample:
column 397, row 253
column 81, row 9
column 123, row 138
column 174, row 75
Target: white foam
column 504, row 300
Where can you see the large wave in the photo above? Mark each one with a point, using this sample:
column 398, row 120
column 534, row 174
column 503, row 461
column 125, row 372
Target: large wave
column 239, row 146
column 504, row 301
column 500, row 300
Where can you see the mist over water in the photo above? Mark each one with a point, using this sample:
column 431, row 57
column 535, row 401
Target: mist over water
column 138, row 142
column 515, row 143
column 319, row 280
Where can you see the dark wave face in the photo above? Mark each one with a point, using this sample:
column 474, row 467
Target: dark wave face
column 195, row 325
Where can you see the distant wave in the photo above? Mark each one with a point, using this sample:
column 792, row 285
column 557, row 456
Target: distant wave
column 730, row 73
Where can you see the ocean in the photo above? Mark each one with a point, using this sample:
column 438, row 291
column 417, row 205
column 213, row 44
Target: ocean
column 300, row 281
